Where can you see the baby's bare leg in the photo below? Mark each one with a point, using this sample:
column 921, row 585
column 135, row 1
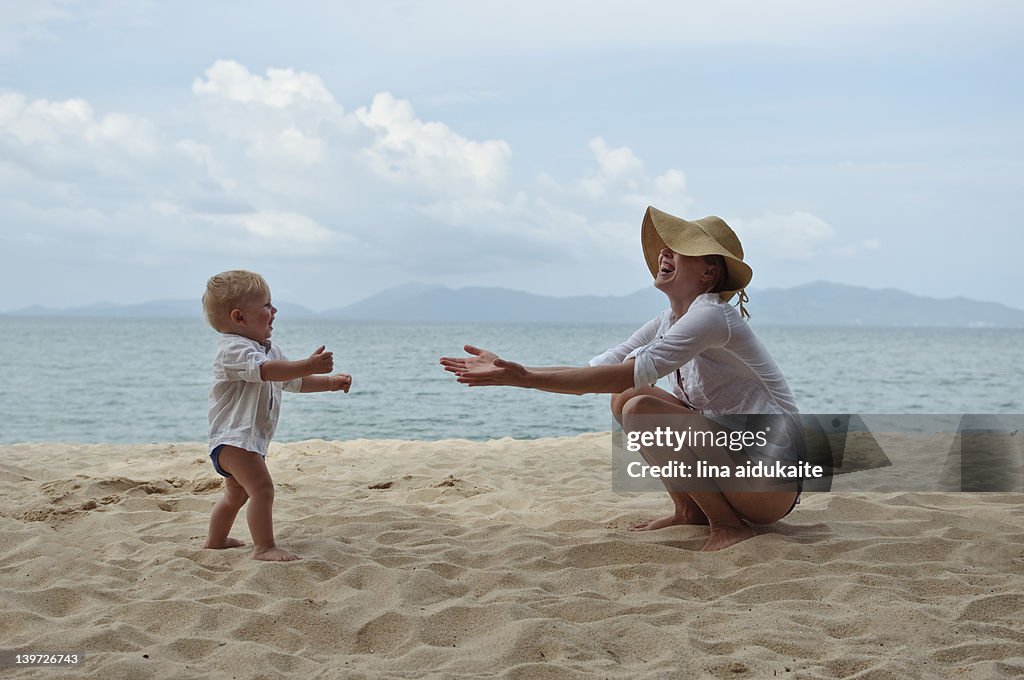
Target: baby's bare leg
column 250, row 470
column 223, row 516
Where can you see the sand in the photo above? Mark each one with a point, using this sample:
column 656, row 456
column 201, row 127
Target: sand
column 506, row 558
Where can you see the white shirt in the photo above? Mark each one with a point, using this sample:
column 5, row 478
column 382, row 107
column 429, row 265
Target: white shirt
column 243, row 408
column 711, row 349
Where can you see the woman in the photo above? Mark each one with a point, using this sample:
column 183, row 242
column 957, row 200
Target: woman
column 717, row 368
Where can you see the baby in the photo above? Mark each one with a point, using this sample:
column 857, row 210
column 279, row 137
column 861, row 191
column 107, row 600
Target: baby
column 249, row 374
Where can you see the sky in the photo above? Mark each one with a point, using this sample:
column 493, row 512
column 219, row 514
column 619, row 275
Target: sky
column 343, row 148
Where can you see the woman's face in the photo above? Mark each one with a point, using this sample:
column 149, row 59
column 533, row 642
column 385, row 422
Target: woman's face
column 682, row 273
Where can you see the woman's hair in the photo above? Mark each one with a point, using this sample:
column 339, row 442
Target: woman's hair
column 227, row 291
column 722, row 274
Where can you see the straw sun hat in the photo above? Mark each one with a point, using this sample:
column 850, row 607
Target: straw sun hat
column 706, row 236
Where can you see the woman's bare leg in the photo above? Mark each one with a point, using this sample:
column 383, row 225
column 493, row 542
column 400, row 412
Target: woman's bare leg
column 727, row 510
column 620, row 400
column 731, row 510
column 685, row 510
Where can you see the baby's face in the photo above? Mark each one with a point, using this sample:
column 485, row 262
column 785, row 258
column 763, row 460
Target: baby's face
column 256, row 318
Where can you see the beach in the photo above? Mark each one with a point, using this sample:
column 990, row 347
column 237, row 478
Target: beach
column 507, row 558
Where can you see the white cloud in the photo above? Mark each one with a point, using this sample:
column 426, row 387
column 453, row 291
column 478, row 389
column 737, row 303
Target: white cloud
column 667, row 191
column 274, row 168
column 283, row 120
column 486, row 214
column 278, row 234
column 614, row 167
column 271, row 167
column 617, row 168
column 526, row 229
column 95, row 148
column 595, row 217
column 519, row 218
column 671, row 183
column 270, row 152
column 281, row 88
column 63, row 129
column 288, row 146
column 202, row 155
column 288, row 121
column 615, row 163
column 106, row 186
column 618, row 179
column 794, row 236
column 408, row 150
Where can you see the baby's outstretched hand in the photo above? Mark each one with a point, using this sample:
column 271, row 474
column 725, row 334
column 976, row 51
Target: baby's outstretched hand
column 321, row 361
column 342, row 381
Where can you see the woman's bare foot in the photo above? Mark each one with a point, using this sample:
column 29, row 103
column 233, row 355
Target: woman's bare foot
column 675, row 519
column 274, row 554
column 227, row 543
column 724, row 536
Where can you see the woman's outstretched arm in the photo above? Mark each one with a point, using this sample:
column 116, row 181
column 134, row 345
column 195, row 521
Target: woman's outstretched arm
column 486, row 368
column 483, row 359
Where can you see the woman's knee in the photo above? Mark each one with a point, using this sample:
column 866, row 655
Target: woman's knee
column 642, row 404
column 655, row 399
column 618, row 401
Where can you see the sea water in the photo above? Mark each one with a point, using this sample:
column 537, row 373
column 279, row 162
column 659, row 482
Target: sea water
column 140, row 381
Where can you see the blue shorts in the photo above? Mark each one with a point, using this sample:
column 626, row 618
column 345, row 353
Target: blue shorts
column 215, row 459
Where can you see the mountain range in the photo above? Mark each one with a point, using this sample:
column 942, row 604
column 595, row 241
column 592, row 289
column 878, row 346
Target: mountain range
column 813, row 304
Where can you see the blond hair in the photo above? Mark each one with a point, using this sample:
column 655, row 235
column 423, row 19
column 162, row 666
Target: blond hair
column 227, row 291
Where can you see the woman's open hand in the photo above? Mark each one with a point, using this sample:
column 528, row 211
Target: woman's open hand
column 485, row 368
column 501, row 373
column 480, row 359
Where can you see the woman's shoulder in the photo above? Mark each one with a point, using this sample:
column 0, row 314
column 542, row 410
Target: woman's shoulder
column 707, row 314
column 709, row 305
column 663, row 318
column 708, row 299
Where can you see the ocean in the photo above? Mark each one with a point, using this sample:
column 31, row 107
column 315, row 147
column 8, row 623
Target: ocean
column 143, row 381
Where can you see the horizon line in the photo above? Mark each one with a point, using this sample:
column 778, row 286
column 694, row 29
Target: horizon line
column 58, row 310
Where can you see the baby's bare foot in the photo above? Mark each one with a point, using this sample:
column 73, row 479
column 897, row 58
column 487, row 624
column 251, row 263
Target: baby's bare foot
column 275, row 555
column 723, row 537
column 226, row 543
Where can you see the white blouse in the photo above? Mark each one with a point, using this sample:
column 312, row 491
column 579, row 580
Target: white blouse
column 717, row 364
column 243, row 408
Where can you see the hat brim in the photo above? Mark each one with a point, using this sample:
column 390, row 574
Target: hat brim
column 688, row 238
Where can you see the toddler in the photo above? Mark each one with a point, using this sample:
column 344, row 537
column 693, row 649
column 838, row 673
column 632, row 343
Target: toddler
column 249, row 374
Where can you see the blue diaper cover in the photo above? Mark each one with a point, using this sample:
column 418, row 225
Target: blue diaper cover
column 215, row 459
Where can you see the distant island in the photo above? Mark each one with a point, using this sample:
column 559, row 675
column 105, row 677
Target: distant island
column 814, row 304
